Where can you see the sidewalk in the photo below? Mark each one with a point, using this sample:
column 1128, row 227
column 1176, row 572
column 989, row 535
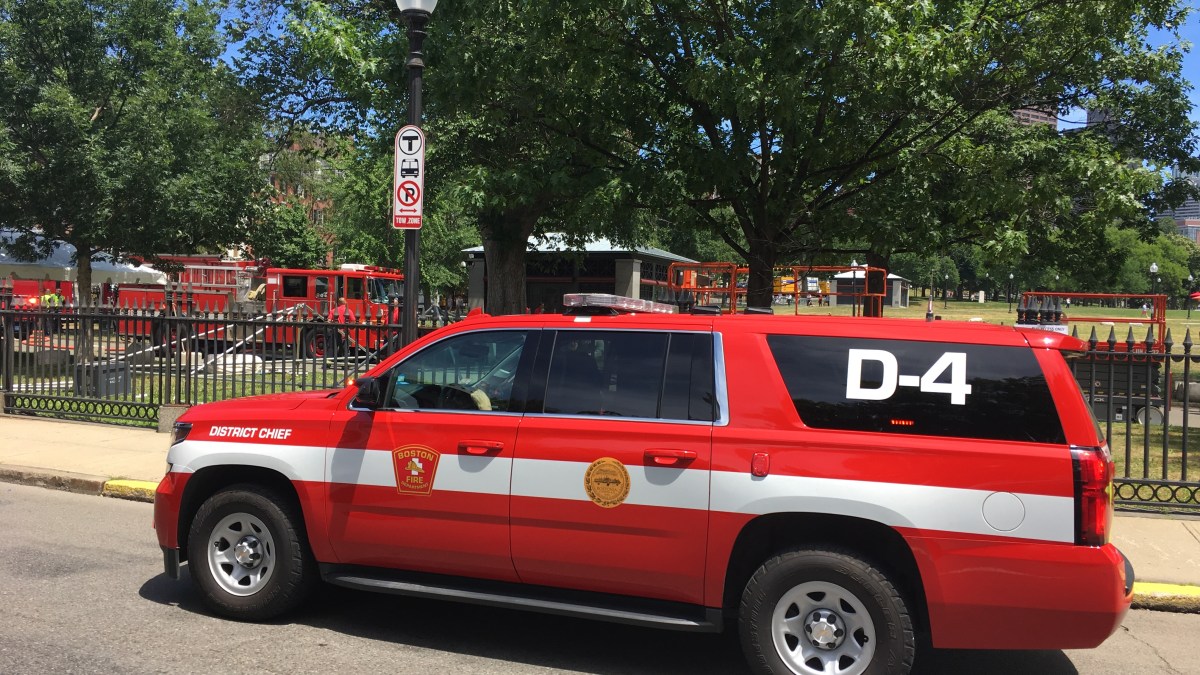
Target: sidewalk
column 128, row 463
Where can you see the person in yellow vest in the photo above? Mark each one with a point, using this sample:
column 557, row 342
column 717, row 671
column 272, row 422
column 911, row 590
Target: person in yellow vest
column 43, row 307
column 51, row 303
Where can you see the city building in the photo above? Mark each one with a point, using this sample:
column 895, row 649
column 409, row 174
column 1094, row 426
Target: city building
column 1036, row 116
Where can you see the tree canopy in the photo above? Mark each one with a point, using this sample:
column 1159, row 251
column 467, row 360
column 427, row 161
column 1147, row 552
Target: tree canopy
column 125, row 131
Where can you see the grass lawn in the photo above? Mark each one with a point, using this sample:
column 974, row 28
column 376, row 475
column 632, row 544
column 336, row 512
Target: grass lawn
column 1178, row 321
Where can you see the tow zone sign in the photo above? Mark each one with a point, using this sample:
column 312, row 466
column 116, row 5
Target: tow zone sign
column 408, row 185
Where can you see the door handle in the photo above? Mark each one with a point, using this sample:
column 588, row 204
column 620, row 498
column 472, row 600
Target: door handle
column 668, row 456
column 480, row 447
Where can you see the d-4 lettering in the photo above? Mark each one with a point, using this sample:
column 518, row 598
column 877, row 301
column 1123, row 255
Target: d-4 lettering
column 955, row 362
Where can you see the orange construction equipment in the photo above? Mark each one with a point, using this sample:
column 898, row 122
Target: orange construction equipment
column 723, row 284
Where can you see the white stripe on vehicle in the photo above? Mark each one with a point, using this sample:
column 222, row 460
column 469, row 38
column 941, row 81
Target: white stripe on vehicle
column 648, row 485
column 924, row 507
column 455, row 473
column 921, row 507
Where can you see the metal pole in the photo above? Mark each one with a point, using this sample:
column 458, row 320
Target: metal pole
column 412, row 237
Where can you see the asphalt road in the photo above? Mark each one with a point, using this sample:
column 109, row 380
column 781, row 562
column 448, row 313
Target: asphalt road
column 82, row 591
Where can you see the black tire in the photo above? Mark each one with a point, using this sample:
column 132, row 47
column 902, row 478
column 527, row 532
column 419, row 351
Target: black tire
column 816, row 599
column 268, row 523
column 314, row 344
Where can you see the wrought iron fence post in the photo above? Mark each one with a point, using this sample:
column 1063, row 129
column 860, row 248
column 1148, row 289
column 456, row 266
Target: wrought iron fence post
column 7, row 361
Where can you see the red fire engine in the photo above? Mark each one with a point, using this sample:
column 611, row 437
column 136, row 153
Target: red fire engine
column 285, row 297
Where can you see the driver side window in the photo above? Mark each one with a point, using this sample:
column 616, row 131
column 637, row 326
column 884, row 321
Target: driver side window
column 473, row 371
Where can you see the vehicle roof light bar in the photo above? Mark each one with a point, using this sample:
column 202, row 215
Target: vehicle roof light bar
column 580, row 303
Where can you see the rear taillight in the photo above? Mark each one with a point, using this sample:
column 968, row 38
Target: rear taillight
column 1093, row 468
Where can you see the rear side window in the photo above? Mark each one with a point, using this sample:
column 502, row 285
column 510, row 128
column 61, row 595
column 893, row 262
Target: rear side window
column 933, row 389
column 631, row 374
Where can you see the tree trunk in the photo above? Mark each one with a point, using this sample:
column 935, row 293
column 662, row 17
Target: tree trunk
column 505, row 239
column 83, row 302
column 760, row 286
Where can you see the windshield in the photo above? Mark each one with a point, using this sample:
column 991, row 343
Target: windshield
column 382, row 290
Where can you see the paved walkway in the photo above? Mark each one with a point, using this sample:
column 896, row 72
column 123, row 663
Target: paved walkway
column 128, row 462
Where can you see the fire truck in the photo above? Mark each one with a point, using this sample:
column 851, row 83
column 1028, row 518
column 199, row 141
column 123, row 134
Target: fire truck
column 294, row 305
column 26, row 294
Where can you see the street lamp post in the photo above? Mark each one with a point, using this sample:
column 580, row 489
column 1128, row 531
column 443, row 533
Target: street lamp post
column 945, row 294
column 1010, row 280
column 1153, row 284
column 1188, row 296
column 929, row 305
column 416, row 14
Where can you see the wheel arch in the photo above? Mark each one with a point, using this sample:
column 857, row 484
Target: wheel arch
column 877, row 543
column 208, row 481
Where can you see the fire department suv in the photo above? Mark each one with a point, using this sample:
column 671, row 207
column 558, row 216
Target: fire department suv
column 840, row 489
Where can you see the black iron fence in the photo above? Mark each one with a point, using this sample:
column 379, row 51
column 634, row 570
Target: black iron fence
column 123, row 364
column 1143, row 393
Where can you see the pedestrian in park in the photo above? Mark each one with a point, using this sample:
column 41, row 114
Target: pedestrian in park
column 335, row 340
column 341, row 313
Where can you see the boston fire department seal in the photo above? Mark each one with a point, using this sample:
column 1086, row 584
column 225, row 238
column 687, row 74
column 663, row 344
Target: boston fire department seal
column 415, row 466
column 606, row 482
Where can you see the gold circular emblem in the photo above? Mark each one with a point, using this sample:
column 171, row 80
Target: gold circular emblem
column 606, row 482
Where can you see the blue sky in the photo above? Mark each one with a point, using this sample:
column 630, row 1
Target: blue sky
column 1191, row 60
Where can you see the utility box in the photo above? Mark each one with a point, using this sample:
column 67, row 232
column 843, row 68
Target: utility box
column 102, row 380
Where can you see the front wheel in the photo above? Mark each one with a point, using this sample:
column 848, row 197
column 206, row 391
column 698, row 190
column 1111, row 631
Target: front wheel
column 815, row 611
column 248, row 554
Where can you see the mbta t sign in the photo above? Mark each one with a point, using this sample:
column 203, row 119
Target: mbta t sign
column 408, row 186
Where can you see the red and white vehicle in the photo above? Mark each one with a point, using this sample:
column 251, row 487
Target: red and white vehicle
column 840, row 487
column 288, row 296
column 27, row 293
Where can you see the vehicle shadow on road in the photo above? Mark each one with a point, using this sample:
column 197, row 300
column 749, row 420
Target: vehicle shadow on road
column 564, row 643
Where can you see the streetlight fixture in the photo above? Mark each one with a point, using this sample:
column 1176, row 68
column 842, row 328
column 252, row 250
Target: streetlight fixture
column 945, row 294
column 1153, row 271
column 1010, row 280
column 416, row 14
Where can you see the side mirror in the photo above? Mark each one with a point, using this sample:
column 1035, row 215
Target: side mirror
column 369, row 393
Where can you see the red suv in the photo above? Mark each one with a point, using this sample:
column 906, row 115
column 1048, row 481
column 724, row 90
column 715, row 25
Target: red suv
column 840, row 487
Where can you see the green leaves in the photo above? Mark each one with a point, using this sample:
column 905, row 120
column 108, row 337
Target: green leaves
column 124, row 132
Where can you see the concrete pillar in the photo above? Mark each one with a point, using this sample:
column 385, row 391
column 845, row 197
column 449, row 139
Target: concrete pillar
column 629, row 278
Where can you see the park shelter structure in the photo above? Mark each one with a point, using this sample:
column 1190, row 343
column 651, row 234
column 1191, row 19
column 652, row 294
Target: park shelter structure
column 895, row 293
column 553, row 267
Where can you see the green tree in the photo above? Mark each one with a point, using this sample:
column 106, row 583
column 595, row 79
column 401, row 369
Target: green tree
column 883, row 123
column 126, row 131
column 517, row 147
column 283, row 233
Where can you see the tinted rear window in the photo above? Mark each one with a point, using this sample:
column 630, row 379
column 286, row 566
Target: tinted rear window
column 935, row 389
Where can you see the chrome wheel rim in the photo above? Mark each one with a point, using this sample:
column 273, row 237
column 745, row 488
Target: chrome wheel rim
column 241, row 554
column 820, row 627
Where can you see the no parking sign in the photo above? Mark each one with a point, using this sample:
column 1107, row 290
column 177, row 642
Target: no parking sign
column 408, row 185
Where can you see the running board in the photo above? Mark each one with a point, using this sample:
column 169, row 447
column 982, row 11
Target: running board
column 580, row 604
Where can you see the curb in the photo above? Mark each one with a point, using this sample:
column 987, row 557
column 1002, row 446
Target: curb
column 55, row 480
column 136, row 490
column 1166, row 597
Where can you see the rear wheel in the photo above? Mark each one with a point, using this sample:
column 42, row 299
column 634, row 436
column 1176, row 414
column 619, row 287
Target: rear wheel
column 1151, row 415
column 315, row 344
column 817, row 611
column 248, row 554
